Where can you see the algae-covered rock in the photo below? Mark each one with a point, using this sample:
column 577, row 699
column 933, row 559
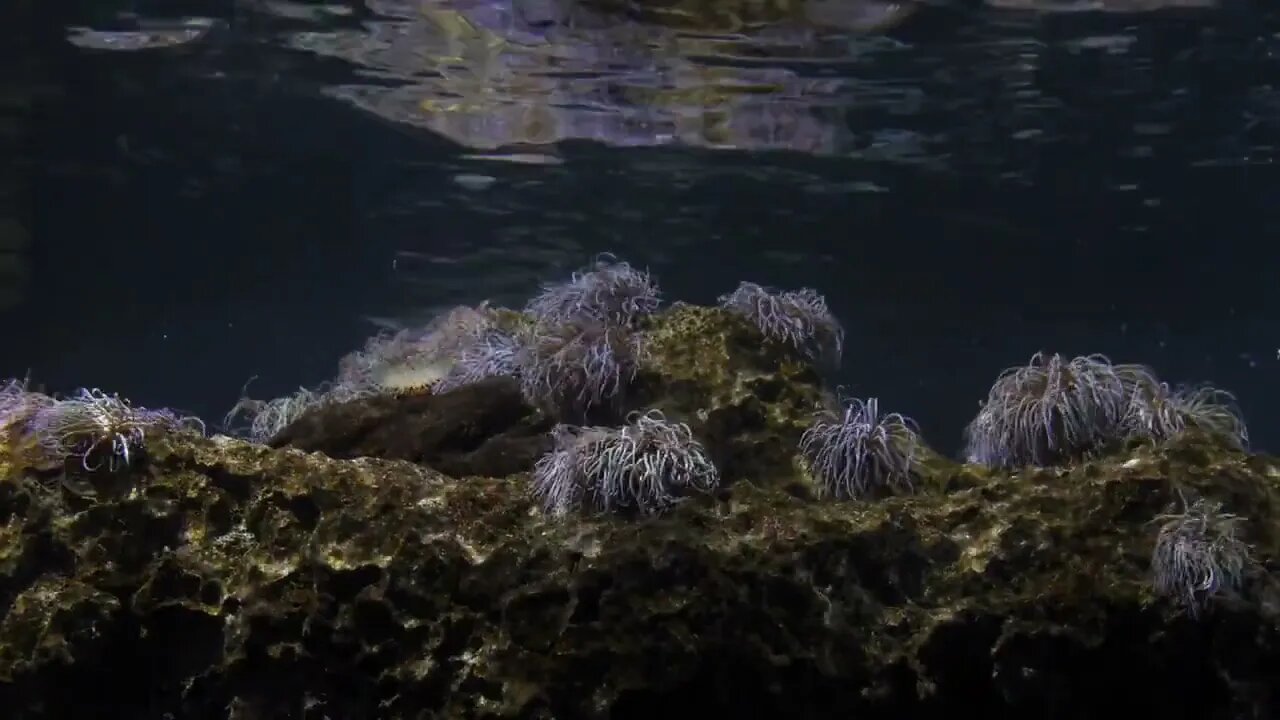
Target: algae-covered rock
column 220, row 579
column 393, row 576
column 480, row 429
column 749, row 400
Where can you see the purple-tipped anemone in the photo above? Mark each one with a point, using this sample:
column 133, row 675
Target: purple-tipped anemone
column 1053, row 410
column 18, row 404
column 99, row 428
column 1157, row 412
column 798, row 318
column 1199, row 556
column 577, row 367
column 496, row 353
column 646, row 467
column 268, row 417
column 13, row 395
column 859, row 452
column 609, row 291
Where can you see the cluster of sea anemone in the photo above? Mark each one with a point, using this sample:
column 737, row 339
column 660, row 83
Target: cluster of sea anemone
column 645, row 466
column 1056, row 410
column 96, row 429
column 576, row 348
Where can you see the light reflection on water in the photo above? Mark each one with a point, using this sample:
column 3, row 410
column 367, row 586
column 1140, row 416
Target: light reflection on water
column 481, row 75
column 934, row 185
column 819, row 77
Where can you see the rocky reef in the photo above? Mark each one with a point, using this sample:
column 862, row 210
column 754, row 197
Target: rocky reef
column 384, row 557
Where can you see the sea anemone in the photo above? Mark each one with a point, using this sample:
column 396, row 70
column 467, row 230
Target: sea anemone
column 1050, row 411
column 97, row 428
column 268, row 417
column 495, row 353
column 18, row 404
column 798, row 318
column 1199, row 556
column 646, row 467
column 609, row 291
column 1158, row 413
column 859, row 452
column 573, row 369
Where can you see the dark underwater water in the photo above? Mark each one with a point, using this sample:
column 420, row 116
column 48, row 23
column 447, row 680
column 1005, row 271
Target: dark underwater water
column 977, row 186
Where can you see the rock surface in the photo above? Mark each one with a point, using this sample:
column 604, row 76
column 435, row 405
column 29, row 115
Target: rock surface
column 220, row 579
column 747, row 400
column 226, row 580
column 482, row 429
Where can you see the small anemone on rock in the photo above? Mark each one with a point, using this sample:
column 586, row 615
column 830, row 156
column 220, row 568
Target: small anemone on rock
column 1199, row 556
column 796, row 318
column 1158, row 412
column 856, row 451
column 610, row 291
column 17, row 404
column 579, row 368
column 1049, row 411
column 265, row 418
column 494, row 352
column 646, row 466
column 99, row 429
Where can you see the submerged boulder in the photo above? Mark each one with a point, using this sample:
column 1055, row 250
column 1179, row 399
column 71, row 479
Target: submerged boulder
column 480, row 429
column 747, row 399
column 221, row 579
column 407, row 571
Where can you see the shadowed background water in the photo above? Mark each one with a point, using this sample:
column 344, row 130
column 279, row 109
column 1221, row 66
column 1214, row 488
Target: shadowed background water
column 251, row 189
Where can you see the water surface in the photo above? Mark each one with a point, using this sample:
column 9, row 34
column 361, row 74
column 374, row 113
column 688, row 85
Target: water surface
column 222, row 192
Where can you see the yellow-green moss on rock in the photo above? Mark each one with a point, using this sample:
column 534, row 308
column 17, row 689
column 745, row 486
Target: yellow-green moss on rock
column 218, row 579
column 747, row 399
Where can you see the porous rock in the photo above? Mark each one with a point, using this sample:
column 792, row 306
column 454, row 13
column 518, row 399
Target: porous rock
column 405, row 572
column 747, row 399
column 218, row 579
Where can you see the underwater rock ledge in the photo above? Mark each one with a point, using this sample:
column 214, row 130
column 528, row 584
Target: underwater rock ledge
column 393, row 554
column 221, row 579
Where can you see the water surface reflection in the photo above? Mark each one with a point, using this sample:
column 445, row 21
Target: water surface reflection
column 485, row 76
column 250, row 188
